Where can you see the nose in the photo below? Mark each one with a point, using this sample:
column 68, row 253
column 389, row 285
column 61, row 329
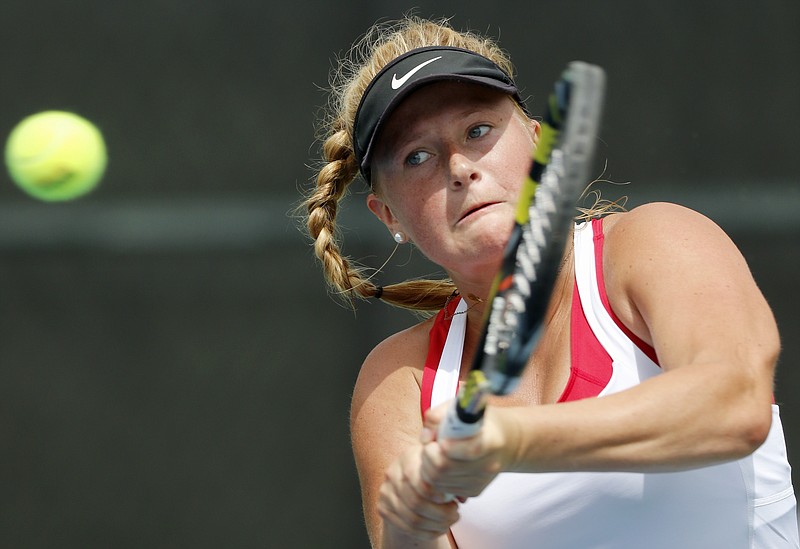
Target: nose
column 463, row 170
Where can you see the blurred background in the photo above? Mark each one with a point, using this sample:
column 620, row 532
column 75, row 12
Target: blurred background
column 172, row 370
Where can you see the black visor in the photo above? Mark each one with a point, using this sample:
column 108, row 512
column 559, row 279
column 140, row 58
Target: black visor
column 410, row 71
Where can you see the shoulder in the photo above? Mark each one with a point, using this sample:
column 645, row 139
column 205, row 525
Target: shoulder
column 406, row 349
column 660, row 233
column 391, row 374
column 666, row 258
column 662, row 219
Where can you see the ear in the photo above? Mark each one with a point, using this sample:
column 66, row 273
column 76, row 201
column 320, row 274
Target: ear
column 536, row 129
column 383, row 212
column 532, row 126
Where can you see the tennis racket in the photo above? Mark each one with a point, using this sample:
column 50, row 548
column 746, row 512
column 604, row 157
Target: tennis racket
column 521, row 290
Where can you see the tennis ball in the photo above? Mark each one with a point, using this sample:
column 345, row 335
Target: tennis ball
column 56, row 155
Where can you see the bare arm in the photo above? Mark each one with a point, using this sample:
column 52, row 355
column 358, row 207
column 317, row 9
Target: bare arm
column 709, row 323
column 385, row 428
column 679, row 283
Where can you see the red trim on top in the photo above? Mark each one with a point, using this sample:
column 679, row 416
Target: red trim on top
column 438, row 337
column 599, row 239
column 590, row 364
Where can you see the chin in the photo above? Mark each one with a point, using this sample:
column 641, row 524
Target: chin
column 490, row 249
column 497, row 230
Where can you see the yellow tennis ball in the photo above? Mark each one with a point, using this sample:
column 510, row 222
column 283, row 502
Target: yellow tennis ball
column 56, row 155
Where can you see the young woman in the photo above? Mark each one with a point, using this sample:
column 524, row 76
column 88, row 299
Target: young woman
column 645, row 417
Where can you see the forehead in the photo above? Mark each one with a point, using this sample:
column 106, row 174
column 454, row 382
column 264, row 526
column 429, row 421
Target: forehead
column 427, row 105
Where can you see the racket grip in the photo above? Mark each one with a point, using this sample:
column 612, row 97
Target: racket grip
column 464, row 417
column 455, row 427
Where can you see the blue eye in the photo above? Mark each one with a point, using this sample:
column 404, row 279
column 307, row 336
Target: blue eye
column 479, row 131
column 417, row 157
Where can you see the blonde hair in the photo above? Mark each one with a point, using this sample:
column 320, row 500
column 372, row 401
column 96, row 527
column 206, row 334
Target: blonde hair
column 380, row 45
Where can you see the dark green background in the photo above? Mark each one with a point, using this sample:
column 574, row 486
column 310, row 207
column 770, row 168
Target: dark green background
column 172, row 372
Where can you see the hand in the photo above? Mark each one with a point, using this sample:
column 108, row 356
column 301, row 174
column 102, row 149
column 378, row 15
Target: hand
column 410, row 506
column 464, row 467
column 412, row 498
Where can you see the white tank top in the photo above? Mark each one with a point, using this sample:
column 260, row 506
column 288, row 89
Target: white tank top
column 747, row 504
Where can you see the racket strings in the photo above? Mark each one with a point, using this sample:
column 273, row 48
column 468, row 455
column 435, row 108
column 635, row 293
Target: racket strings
column 511, row 304
column 520, row 296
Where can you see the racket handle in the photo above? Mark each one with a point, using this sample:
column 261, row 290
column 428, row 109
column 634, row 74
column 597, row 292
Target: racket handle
column 465, row 417
column 454, row 426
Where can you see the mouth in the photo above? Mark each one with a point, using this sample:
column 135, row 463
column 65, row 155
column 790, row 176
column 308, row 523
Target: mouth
column 476, row 209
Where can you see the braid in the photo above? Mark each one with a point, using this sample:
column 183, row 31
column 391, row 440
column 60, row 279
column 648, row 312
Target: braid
column 322, row 206
column 343, row 277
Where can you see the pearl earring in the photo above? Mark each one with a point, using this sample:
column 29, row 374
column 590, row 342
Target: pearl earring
column 399, row 237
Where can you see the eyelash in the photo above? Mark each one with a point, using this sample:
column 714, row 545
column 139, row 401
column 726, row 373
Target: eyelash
column 414, row 154
column 487, row 126
column 469, row 136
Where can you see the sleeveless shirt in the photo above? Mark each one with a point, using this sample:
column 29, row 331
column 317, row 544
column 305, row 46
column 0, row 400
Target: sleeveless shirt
column 748, row 503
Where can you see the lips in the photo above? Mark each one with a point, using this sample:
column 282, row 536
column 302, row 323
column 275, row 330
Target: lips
column 475, row 209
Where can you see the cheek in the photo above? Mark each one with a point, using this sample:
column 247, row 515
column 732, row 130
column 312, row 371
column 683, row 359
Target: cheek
column 423, row 219
column 512, row 163
column 410, row 207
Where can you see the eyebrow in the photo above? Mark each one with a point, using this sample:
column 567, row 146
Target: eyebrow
column 398, row 139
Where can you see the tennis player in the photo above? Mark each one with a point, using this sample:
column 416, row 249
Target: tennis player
column 645, row 418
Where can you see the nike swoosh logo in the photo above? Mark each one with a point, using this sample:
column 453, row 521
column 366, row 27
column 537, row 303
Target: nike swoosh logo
column 398, row 82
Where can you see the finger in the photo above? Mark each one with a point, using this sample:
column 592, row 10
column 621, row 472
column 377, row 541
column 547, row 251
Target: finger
column 440, row 478
column 438, row 462
column 412, row 512
column 443, row 512
column 434, row 416
column 426, row 483
column 434, row 465
column 464, row 449
column 439, row 474
column 398, row 521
